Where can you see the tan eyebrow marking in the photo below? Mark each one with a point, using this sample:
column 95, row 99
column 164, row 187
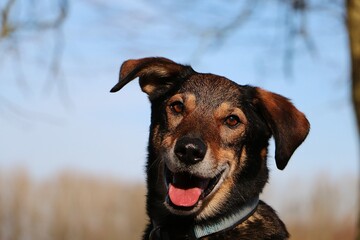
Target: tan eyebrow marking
column 225, row 109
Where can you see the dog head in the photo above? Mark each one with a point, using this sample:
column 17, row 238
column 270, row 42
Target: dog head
column 209, row 137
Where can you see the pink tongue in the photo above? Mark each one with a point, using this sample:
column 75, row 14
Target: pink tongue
column 184, row 197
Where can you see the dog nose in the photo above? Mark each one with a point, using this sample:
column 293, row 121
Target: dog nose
column 190, row 150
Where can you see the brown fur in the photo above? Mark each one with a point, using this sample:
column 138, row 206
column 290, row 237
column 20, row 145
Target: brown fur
column 224, row 128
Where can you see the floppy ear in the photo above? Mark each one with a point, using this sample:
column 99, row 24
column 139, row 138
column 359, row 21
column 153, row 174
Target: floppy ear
column 156, row 75
column 288, row 125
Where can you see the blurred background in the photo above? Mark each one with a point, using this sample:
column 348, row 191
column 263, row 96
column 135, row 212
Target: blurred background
column 72, row 155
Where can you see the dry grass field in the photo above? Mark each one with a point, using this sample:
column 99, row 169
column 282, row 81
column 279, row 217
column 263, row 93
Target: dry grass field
column 74, row 206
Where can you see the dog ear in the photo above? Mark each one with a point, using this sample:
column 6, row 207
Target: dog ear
column 156, row 75
column 288, row 125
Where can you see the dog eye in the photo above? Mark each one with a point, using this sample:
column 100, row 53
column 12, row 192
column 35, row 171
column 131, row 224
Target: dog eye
column 177, row 107
column 232, row 121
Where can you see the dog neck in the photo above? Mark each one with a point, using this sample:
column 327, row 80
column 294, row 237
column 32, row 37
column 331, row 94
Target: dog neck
column 197, row 231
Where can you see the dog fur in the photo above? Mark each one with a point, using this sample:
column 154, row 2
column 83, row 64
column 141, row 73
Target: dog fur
column 207, row 129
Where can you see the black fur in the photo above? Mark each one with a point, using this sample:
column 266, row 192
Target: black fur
column 265, row 114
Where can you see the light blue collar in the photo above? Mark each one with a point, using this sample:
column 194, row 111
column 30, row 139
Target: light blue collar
column 228, row 221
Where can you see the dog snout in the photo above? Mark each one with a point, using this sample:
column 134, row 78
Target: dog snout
column 190, row 150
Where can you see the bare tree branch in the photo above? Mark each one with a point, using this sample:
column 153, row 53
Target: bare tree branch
column 6, row 27
column 353, row 23
column 215, row 36
column 10, row 26
column 12, row 38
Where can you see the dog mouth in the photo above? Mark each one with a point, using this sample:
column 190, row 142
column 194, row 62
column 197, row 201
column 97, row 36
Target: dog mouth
column 185, row 190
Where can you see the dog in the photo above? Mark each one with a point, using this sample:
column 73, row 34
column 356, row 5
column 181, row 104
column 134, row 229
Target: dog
column 207, row 152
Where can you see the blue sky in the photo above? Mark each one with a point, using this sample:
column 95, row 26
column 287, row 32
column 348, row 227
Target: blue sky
column 90, row 130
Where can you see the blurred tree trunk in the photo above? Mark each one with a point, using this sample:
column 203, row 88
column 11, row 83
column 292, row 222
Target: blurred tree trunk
column 353, row 24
